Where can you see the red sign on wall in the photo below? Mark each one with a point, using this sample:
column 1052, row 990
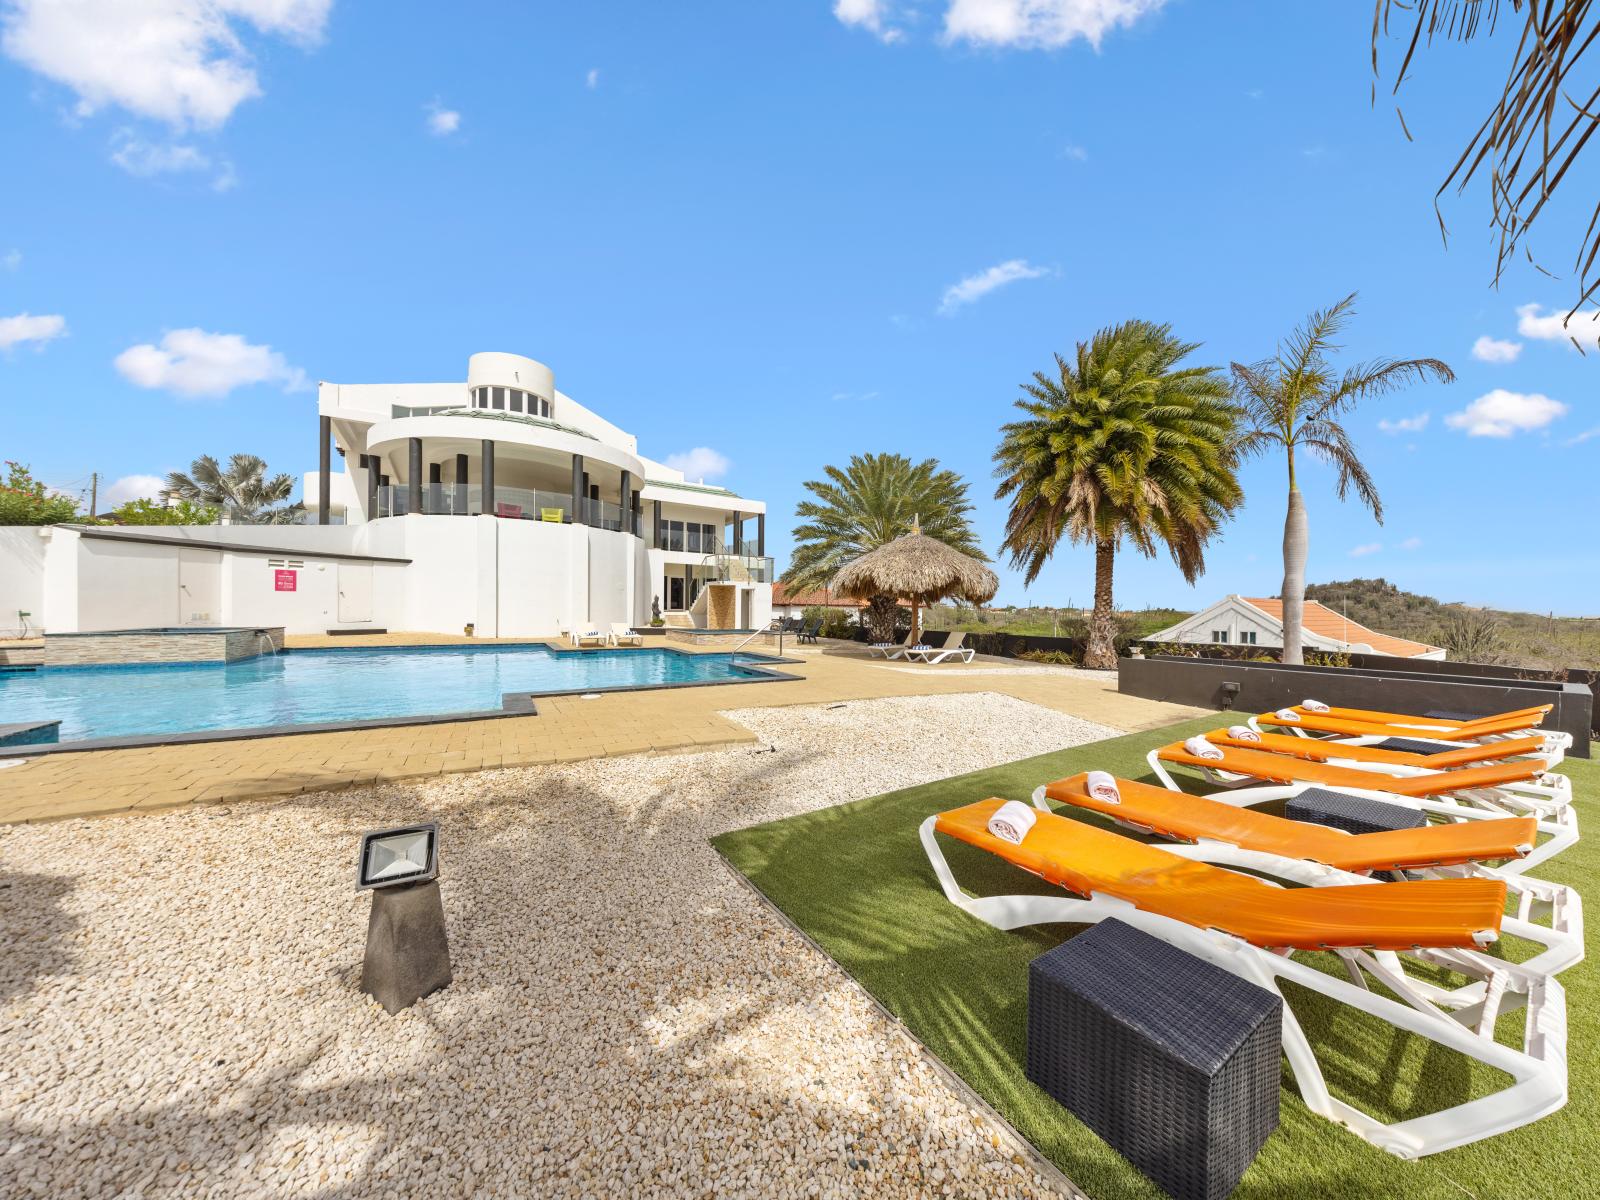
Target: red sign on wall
column 284, row 581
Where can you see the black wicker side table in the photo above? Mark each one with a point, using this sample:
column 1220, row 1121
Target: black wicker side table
column 1353, row 814
column 1173, row 1061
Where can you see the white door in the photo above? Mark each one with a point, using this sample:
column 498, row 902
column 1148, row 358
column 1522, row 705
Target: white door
column 199, row 587
column 355, row 592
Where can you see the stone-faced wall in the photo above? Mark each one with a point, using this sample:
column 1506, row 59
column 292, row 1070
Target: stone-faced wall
column 720, row 609
column 122, row 647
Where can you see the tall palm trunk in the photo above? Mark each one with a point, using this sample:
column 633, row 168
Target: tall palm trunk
column 1101, row 653
column 1296, row 540
column 881, row 613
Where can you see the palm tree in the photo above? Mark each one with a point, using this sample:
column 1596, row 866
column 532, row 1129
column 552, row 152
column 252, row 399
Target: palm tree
column 244, row 492
column 1119, row 443
column 876, row 499
column 1293, row 401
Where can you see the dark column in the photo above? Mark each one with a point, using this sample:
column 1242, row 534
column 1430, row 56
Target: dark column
column 580, row 486
column 435, row 489
column 369, row 463
column 324, row 479
column 738, row 533
column 655, row 524
column 761, row 535
column 487, row 505
column 461, row 485
column 626, row 501
column 414, row 478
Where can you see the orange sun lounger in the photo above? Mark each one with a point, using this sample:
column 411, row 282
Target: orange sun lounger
column 1252, row 927
column 1399, row 761
column 1351, row 722
column 1193, row 818
column 1464, row 913
column 1521, row 784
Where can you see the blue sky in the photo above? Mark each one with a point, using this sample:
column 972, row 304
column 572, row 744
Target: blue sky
column 783, row 232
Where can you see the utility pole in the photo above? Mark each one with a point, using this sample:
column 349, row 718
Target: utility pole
column 94, row 491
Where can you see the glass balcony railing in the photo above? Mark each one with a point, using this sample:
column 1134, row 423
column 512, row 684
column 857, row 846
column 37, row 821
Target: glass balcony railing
column 524, row 504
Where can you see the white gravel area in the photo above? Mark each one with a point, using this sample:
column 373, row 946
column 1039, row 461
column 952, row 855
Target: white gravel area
column 179, row 1011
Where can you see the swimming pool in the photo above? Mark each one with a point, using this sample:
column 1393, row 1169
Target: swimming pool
column 341, row 687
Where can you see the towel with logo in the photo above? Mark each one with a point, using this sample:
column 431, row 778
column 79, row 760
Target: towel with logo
column 1200, row 748
column 1103, row 787
column 1243, row 733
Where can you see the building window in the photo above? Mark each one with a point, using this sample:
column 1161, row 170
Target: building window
column 1220, row 636
column 1247, row 637
column 499, row 399
column 516, row 400
column 674, row 535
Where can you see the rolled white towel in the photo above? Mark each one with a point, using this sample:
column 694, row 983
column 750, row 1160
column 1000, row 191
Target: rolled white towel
column 1200, row 748
column 1243, row 733
column 1103, row 787
column 1316, row 706
column 1011, row 822
column 1287, row 714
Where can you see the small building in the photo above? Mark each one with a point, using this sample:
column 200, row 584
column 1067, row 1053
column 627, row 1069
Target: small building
column 1258, row 621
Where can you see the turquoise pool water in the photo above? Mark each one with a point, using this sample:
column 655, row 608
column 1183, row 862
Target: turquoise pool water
column 310, row 687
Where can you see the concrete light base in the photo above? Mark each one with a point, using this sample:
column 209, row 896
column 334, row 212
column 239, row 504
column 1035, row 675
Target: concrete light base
column 408, row 956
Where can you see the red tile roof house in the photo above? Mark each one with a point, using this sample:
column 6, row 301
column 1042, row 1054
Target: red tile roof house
column 1258, row 621
column 793, row 602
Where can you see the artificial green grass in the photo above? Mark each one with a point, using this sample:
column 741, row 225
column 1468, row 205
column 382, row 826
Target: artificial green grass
column 856, row 880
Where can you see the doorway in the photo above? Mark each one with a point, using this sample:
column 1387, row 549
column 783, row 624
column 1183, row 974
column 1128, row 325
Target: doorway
column 355, row 592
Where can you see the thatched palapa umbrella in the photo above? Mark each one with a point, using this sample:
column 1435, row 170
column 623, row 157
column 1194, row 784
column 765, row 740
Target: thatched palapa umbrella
column 920, row 569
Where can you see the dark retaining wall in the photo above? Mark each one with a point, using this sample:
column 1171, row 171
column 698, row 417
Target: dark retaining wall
column 1263, row 687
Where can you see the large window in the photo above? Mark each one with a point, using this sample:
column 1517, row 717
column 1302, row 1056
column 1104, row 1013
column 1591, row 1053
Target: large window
column 499, row 398
column 1220, row 636
column 516, row 400
column 1247, row 637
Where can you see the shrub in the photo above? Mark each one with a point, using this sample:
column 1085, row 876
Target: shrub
column 24, row 500
column 1327, row 658
column 147, row 512
column 1060, row 658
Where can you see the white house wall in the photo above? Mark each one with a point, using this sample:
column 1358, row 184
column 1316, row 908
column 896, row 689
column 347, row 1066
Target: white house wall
column 21, row 578
column 123, row 585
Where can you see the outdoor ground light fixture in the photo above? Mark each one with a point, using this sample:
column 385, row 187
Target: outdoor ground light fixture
column 408, row 955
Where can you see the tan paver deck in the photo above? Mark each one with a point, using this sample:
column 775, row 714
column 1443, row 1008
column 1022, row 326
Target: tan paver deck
column 104, row 782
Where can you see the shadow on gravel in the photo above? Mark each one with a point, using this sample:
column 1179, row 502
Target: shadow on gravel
column 35, row 928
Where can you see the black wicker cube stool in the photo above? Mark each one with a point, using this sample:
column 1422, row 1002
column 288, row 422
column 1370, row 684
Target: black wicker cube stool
column 1173, row 1061
column 1353, row 814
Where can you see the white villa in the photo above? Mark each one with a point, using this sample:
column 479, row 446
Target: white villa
column 497, row 501
column 1258, row 621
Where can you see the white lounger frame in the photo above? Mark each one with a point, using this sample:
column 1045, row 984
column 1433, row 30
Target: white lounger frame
column 932, row 655
column 1535, row 898
column 1538, row 1071
column 1549, row 799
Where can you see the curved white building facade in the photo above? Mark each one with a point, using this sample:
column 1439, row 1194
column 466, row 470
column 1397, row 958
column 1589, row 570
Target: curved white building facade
column 524, row 512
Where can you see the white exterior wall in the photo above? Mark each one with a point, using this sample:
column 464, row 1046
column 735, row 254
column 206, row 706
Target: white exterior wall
column 21, row 579
column 122, row 585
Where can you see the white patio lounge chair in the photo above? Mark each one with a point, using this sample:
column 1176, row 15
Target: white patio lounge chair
column 580, row 639
column 622, row 634
column 1252, row 927
column 933, row 655
column 892, row 650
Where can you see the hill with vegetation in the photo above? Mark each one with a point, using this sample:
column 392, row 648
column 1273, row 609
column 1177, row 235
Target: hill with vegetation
column 1471, row 634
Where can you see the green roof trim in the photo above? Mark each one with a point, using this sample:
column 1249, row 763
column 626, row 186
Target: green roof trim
column 482, row 414
column 691, row 487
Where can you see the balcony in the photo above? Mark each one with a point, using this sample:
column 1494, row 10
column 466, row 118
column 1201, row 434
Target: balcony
column 524, row 504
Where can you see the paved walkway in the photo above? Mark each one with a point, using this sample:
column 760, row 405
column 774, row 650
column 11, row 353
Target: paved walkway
column 568, row 728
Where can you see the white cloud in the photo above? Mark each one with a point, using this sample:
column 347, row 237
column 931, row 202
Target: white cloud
column 11, row 260
column 1075, row 153
column 1588, row 435
column 872, row 15
column 183, row 62
column 1365, row 549
column 139, row 157
column 1411, row 543
column 131, row 487
column 1501, row 413
column 442, row 122
column 975, row 287
column 1554, row 326
column 592, row 79
column 1494, row 350
column 1040, row 23
column 25, row 327
column 700, row 463
column 1414, row 424
column 192, row 362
